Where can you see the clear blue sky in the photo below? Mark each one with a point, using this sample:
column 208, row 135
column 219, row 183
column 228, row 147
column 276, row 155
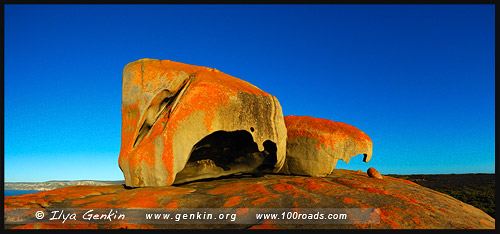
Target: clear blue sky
column 418, row 79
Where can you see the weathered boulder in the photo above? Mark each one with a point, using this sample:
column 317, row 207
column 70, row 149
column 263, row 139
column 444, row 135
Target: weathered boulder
column 315, row 145
column 402, row 204
column 372, row 172
column 183, row 122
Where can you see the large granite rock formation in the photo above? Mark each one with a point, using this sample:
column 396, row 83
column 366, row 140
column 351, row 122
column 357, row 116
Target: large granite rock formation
column 315, row 145
column 183, row 122
column 402, row 204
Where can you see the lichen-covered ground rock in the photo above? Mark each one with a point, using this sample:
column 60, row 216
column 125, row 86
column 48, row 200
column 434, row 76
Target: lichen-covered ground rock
column 314, row 145
column 402, row 204
column 183, row 122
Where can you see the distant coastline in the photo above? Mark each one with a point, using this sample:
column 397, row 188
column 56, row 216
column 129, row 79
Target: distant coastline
column 49, row 185
column 7, row 193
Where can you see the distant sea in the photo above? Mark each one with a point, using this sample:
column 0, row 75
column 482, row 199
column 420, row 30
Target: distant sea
column 7, row 193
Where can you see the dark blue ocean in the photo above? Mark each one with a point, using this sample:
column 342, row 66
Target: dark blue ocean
column 7, row 193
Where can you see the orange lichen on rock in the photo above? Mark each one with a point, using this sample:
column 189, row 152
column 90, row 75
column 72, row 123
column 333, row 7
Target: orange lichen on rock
column 401, row 205
column 348, row 200
column 314, row 145
column 374, row 190
column 232, row 201
column 311, row 184
column 168, row 107
column 255, row 191
column 241, row 211
column 261, row 200
column 326, row 131
column 289, row 189
column 349, row 182
column 386, row 218
column 172, row 205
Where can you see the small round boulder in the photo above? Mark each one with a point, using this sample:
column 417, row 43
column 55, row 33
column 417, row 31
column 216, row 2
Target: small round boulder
column 374, row 173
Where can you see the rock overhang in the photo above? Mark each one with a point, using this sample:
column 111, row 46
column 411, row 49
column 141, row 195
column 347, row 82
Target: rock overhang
column 169, row 107
column 314, row 145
